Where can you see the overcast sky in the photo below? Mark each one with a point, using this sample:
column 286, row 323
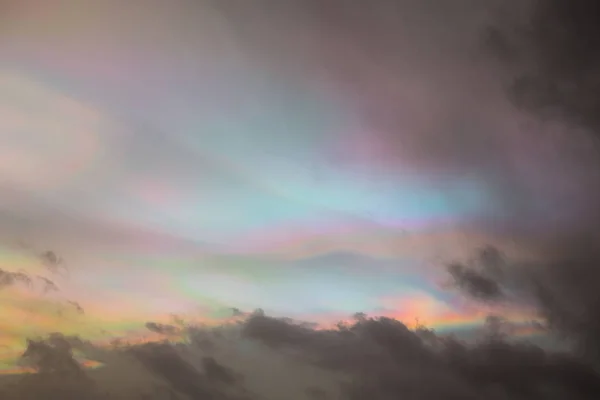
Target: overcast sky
column 310, row 158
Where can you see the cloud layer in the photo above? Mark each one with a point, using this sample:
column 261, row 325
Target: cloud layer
column 410, row 159
column 251, row 358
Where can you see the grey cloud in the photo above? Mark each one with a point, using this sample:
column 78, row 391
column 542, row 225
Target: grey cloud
column 170, row 375
column 561, row 287
column 387, row 360
column 203, row 340
column 53, row 355
column 164, row 329
column 8, row 278
column 58, row 375
column 559, row 56
column 50, row 258
column 49, row 285
column 316, row 393
column 163, row 360
column 276, row 332
column 554, row 82
column 475, row 283
column 376, row 358
column 218, row 373
column 478, row 276
column 53, row 262
column 217, row 381
column 76, row 306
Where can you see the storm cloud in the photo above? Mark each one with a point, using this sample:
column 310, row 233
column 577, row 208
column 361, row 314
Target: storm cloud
column 370, row 357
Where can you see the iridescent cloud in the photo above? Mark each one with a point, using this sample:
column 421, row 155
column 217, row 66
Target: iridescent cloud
column 185, row 164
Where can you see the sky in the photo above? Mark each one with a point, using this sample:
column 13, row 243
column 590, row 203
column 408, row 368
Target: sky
column 168, row 161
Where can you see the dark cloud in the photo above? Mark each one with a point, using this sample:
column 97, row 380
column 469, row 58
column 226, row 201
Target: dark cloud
column 276, row 332
column 316, row 393
column 478, row 276
column 553, row 79
column 49, row 286
column 387, row 360
column 164, row 329
column 175, row 370
column 164, row 361
column 8, row 278
column 561, row 288
column 53, row 262
column 58, row 374
column 215, row 382
column 559, row 53
column 50, row 261
column 218, row 373
column 50, row 258
column 378, row 358
column 475, row 283
column 52, row 356
column 202, row 339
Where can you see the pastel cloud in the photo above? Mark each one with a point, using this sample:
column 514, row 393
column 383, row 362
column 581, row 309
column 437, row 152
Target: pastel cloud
column 183, row 163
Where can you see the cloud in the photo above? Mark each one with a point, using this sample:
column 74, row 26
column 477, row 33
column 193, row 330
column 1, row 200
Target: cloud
column 8, row 278
column 551, row 60
column 163, row 360
column 218, row 373
column 369, row 357
column 559, row 288
column 381, row 357
column 475, row 283
column 373, row 98
column 49, row 286
column 52, row 261
column 57, row 372
column 552, row 77
column 201, row 378
column 387, row 360
column 558, row 61
column 53, row 355
column 164, row 329
column 417, row 97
